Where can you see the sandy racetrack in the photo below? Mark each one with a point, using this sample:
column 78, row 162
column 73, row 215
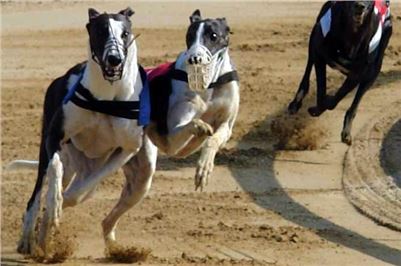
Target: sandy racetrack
column 276, row 195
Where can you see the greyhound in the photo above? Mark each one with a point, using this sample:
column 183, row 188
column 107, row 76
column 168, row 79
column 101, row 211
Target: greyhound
column 196, row 98
column 93, row 123
column 194, row 103
column 350, row 36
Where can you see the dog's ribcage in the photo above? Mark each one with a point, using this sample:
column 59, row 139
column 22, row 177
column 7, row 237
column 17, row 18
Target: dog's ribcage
column 100, row 134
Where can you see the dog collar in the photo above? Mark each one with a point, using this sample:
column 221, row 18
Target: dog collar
column 223, row 79
column 138, row 110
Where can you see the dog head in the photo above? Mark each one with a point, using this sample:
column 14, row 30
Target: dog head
column 358, row 12
column 207, row 41
column 110, row 37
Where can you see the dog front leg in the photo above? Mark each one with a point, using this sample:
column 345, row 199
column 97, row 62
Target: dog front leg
column 303, row 89
column 138, row 172
column 174, row 142
column 351, row 112
column 348, row 85
column 79, row 188
column 209, row 149
column 320, row 68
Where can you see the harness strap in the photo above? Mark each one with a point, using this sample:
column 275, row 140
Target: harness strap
column 223, row 79
column 139, row 110
column 179, row 75
column 226, row 78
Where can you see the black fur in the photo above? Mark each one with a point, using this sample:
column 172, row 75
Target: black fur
column 216, row 32
column 346, row 46
column 52, row 121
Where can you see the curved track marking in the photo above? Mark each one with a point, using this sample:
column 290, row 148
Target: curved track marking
column 369, row 186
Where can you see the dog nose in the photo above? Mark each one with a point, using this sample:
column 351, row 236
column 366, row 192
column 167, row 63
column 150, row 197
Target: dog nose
column 194, row 60
column 198, row 59
column 114, row 60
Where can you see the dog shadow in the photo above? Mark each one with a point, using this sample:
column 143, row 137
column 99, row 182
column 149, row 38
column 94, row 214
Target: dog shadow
column 388, row 77
column 283, row 204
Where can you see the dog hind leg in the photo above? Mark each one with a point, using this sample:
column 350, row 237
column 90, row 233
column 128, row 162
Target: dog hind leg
column 78, row 190
column 364, row 86
column 54, row 200
column 28, row 240
column 351, row 112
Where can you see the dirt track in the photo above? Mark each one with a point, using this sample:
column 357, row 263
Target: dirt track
column 276, row 195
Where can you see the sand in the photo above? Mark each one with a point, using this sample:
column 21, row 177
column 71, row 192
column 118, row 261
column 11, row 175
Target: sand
column 276, row 196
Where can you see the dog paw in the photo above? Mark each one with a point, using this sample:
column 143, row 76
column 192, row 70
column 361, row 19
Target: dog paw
column 315, row 111
column 201, row 128
column 25, row 246
column 346, row 138
column 294, row 107
column 203, row 171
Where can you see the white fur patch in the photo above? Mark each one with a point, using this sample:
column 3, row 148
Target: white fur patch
column 115, row 30
column 199, row 33
column 374, row 43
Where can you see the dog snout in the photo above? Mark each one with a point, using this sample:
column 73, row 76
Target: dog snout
column 198, row 59
column 114, row 60
column 359, row 8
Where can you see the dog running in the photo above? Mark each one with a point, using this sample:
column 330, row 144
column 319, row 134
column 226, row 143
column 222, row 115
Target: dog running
column 350, row 36
column 196, row 98
column 93, row 124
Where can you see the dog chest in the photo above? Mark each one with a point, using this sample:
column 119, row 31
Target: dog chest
column 97, row 134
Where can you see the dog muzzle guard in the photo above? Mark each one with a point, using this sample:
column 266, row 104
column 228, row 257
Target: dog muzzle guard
column 201, row 74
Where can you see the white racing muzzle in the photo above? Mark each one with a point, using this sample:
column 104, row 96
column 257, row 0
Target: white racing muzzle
column 113, row 60
column 202, row 67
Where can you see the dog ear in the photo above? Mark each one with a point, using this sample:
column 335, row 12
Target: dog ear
column 92, row 13
column 128, row 12
column 196, row 16
column 224, row 21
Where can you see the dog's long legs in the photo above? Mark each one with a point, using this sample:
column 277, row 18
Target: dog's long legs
column 27, row 240
column 54, row 200
column 138, row 172
column 303, row 89
column 174, row 142
column 49, row 145
column 364, row 86
column 320, row 68
column 350, row 114
column 79, row 188
column 208, row 153
column 348, row 85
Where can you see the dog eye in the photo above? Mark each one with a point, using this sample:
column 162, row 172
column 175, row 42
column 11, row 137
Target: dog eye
column 213, row 37
column 125, row 34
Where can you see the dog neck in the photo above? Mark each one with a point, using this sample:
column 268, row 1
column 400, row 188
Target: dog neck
column 127, row 88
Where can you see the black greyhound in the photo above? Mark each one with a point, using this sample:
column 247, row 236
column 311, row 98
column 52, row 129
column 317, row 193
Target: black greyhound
column 350, row 36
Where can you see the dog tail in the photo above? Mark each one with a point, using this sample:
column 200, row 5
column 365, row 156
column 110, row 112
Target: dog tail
column 22, row 165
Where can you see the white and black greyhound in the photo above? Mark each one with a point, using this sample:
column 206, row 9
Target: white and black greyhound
column 93, row 124
column 195, row 100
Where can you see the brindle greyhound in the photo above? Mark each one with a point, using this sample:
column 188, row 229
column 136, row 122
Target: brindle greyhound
column 93, row 125
column 201, row 97
column 350, row 36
